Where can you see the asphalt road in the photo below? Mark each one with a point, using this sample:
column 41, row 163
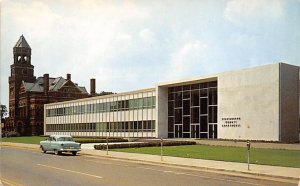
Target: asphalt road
column 30, row 167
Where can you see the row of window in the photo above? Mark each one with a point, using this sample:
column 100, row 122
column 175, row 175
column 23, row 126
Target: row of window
column 194, row 97
column 133, row 126
column 148, row 102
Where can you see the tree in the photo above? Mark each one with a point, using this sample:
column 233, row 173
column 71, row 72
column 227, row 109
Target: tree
column 3, row 111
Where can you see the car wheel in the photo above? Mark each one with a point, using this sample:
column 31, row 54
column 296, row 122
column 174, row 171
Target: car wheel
column 74, row 153
column 43, row 149
column 56, row 152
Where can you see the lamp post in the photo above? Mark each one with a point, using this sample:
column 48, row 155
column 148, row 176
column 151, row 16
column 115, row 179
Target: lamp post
column 106, row 145
column 161, row 149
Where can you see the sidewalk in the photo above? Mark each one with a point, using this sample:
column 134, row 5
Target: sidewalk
column 233, row 167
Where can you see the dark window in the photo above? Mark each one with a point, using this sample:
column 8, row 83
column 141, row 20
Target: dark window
column 213, row 84
column 171, row 96
column 203, row 106
column 186, row 107
column 135, row 126
column 203, row 93
column 213, row 96
column 195, row 86
column 171, row 124
column 178, row 88
column 203, row 85
column 203, row 123
column 195, row 115
column 195, row 98
column 178, row 99
column 178, row 116
column 140, row 125
column 186, row 124
column 186, row 87
column 171, row 89
column 212, row 112
column 171, row 108
column 186, row 95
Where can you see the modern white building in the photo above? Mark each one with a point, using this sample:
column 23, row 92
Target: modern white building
column 260, row 103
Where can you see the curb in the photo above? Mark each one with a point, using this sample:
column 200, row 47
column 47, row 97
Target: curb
column 220, row 171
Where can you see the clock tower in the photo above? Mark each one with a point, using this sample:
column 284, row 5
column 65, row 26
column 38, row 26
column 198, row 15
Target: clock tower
column 21, row 70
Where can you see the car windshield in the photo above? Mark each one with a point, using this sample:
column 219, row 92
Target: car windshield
column 65, row 139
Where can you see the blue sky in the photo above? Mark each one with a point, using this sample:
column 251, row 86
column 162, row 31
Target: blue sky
column 128, row 45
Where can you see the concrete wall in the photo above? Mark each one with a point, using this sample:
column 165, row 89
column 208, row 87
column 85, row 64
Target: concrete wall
column 248, row 104
column 289, row 103
column 162, row 112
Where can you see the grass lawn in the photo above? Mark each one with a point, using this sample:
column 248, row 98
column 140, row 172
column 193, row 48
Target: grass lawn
column 25, row 139
column 32, row 139
column 286, row 158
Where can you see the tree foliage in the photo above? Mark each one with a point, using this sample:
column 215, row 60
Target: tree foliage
column 3, row 111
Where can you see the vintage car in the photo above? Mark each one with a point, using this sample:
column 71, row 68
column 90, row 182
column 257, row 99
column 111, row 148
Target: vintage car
column 59, row 144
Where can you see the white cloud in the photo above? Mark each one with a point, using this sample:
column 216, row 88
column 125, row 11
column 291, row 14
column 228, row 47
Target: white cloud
column 242, row 11
column 36, row 17
column 128, row 45
column 147, row 35
column 244, row 40
column 186, row 59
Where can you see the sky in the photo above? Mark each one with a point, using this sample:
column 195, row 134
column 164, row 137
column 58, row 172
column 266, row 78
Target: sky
column 129, row 45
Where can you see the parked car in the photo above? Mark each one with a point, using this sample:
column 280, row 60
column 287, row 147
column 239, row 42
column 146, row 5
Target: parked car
column 59, row 144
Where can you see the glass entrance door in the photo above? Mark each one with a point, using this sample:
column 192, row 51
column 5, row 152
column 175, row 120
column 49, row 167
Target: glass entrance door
column 178, row 131
column 213, row 131
column 195, row 129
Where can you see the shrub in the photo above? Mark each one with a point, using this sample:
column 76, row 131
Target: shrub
column 143, row 144
column 10, row 134
column 100, row 140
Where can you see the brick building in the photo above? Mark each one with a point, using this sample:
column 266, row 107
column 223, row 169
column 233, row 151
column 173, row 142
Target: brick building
column 28, row 94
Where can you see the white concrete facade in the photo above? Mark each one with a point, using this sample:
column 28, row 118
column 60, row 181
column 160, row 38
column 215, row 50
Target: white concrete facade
column 260, row 103
column 252, row 96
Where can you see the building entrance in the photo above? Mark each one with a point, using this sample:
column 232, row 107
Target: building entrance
column 213, row 131
column 178, row 131
column 195, row 131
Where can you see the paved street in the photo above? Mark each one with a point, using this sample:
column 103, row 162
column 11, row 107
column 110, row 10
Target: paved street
column 31, row 167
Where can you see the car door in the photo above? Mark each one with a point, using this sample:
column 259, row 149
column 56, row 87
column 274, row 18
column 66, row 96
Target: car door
column 46, row 144
column 53, row 143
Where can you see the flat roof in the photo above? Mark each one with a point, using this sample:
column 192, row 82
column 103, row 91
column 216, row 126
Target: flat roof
column 212, row 77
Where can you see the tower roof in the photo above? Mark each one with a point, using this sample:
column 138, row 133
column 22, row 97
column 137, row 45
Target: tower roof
column 22, row 42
